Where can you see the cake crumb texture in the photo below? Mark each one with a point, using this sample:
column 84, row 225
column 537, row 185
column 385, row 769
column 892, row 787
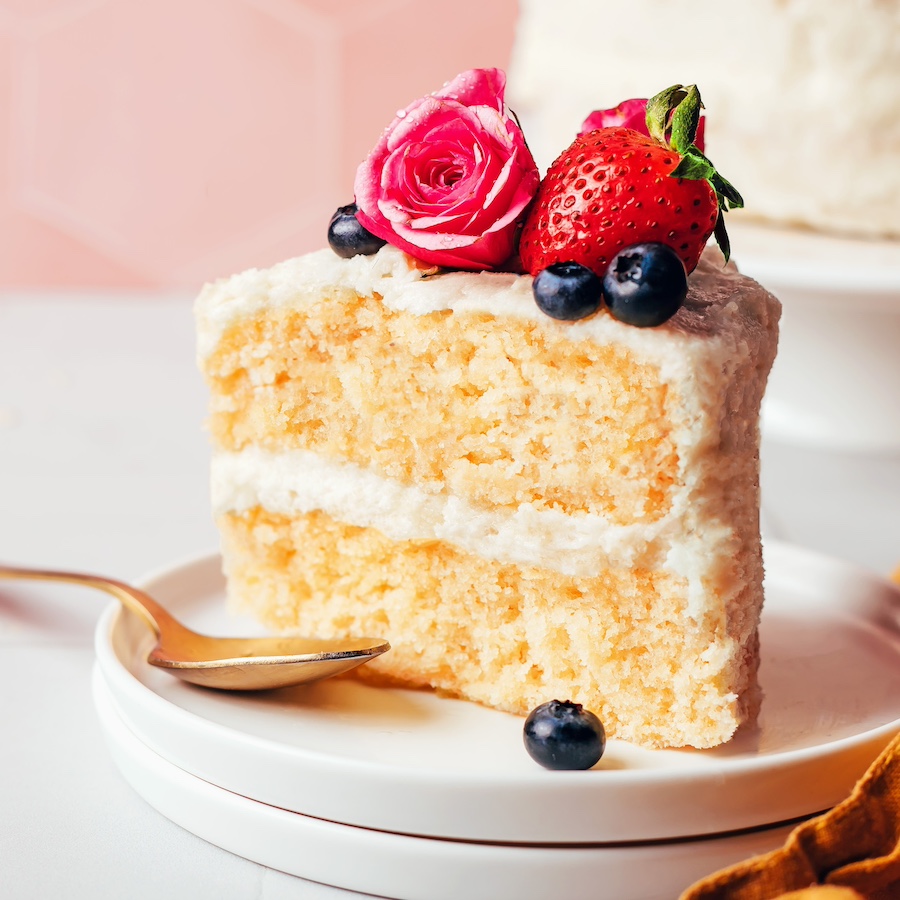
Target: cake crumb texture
column 498, row 415
column 508, row 636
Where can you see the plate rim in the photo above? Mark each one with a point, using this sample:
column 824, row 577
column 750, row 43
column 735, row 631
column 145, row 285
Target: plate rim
column 145, row 711
column 219, row 817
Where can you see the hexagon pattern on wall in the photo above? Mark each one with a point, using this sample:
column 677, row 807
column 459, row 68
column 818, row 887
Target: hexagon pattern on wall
column 163, row 144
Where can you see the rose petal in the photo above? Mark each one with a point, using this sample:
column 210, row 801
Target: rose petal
column 493, row 124
column 435, row 240
column 628, row 114
column 404, row 174
column 476, row 87
column 418, row 115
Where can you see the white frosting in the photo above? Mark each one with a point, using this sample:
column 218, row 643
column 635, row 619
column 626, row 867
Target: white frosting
column 404, row 286
column 298, row 481
column 802, row 96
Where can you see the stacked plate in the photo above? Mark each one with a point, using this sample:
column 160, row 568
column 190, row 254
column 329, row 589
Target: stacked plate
column 411, row 796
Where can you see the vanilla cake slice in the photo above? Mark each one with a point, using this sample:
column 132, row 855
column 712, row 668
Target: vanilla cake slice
column 527, row 509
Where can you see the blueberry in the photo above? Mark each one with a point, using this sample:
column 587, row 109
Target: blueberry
column 645, row 284
column 347, row 237
column 564, row 735
column 567, row 291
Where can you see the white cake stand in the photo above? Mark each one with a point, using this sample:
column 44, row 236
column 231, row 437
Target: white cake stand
column 836, row 381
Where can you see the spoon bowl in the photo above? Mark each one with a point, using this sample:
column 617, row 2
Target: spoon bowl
column 223, row 663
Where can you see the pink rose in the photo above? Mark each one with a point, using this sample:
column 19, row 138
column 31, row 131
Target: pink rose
column 630, row 114
column 450, row 176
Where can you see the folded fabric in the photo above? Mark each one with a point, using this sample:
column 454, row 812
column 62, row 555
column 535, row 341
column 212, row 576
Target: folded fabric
column 823, row 892
column 854, row 850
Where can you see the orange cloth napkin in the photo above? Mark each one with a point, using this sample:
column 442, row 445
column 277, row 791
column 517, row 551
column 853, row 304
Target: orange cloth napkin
column 851, row 852
column 823, row 892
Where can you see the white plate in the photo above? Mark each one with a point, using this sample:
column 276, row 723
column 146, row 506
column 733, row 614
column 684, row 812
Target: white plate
column 414, row 868
column 414, row 763
column 837, row 375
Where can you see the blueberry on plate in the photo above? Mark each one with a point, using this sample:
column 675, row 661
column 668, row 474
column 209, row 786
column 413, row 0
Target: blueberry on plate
column 347, row 237
column 645, row 284
column 564, row 735
column 567, row 291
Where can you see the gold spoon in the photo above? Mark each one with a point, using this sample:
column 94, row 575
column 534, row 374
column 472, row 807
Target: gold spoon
column 231, row 664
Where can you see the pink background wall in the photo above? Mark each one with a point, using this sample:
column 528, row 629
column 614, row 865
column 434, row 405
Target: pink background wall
column 161, row 143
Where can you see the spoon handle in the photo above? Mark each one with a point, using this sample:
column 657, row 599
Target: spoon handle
column 133, row 599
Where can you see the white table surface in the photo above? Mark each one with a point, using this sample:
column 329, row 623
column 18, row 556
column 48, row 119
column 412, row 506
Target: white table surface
column 103, row 467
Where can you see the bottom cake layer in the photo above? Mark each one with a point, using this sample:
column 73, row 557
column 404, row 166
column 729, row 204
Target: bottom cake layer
column 509, row 636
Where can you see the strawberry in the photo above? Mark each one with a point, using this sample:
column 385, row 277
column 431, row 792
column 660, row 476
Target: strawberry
column 615, row 187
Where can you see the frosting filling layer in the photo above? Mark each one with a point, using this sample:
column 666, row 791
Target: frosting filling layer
column 298, row 482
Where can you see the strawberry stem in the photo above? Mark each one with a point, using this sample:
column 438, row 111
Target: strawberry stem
column 659, row 112
column 684, row 120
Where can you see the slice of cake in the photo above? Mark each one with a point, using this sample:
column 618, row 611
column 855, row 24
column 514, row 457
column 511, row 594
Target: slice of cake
column 527, row 508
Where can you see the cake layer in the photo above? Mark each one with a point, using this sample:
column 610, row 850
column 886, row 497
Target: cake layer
column 510, row 636
column 498, row 416
column 577, row 418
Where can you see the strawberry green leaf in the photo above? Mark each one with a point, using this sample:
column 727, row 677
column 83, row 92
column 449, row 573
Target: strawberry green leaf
column 721, row 234
column 726, row 191
column 685, row 117
column 694, row 166
column 659, row 110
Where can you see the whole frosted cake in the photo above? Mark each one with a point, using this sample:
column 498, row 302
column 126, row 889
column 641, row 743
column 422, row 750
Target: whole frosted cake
column 806, row 94
column 526, row 505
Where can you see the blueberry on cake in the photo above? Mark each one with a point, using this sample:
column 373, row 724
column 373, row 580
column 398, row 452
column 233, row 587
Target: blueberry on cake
column 514, row 435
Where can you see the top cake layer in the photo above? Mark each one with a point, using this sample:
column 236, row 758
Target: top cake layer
column 804, row 96
column 721, row 307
